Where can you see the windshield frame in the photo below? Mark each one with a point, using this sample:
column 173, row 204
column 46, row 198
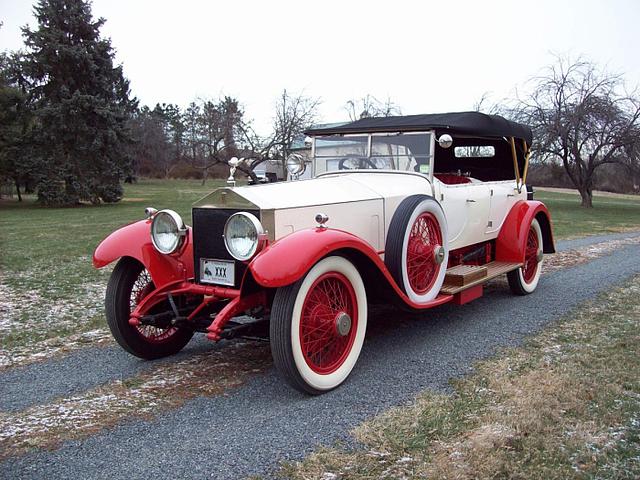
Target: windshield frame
column 370, row 135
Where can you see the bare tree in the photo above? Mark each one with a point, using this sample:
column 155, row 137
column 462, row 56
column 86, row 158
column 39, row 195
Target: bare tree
column 221, row 126
column 582, row 117
column 486, row 105
column 369, row 106
column 293, row 115
column 193, row 134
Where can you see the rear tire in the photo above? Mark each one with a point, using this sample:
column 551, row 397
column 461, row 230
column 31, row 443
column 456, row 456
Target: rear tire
column 128, row 285
column 318, row 326
column 524, row 280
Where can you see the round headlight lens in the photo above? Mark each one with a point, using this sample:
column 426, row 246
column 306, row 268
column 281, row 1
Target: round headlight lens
column 295, row 164
column 242, row 235
column 167, row 231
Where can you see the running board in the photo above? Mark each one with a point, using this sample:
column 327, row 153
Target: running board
column 463, row 277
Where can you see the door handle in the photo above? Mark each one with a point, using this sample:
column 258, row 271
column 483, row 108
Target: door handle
column 470, row 200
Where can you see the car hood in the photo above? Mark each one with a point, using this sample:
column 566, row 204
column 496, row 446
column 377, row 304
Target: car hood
column 324, row 190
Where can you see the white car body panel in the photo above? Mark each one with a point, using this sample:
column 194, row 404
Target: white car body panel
column 364, row 202
column 359, row 203
column 364, row 219
column 503, row 196
column 469, row 207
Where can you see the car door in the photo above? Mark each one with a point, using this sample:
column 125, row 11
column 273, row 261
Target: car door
column 466, row 207
column 502, row 197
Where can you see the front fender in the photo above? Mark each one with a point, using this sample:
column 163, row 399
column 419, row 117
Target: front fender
column 134, row 240
column 287, row 260
column 512, row 239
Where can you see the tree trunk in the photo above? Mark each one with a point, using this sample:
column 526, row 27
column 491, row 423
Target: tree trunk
column 250, row 173
column 18, row 190
column 205, row 170
column 587, row 197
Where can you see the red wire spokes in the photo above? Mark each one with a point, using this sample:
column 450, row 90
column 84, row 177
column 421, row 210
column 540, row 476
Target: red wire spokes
column 422, row 268
column 142, row 287
column 323, row 347
column 530, row 256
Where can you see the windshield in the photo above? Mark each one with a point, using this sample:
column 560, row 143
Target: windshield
column 381, row 151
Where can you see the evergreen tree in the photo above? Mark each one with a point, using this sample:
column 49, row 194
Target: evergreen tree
column 16, row 160
column 81, row 105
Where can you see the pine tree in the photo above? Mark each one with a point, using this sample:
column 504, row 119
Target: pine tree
column 16, row 160
column 81, row 105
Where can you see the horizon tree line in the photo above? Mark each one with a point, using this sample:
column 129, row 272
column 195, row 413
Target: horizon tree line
column 71, row 132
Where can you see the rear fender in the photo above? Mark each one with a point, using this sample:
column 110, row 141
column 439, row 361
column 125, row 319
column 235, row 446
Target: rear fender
column 134, row 240
column 512, row 239
column 290, row 258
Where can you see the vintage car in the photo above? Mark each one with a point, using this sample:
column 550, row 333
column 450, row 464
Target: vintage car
column 418, row 211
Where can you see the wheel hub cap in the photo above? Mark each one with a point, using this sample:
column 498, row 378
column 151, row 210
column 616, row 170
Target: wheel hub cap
column 343, row 324
column 438, row 254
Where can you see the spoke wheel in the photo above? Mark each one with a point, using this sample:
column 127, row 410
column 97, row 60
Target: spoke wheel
column 531, row 256
column 329, row 322
column 416, row 250
column 524, row 280
column 130, row 282
column 424, row 238
column 318, row 326
column 143, row 286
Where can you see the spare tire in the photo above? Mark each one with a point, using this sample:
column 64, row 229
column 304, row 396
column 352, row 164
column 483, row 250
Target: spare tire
column 416, row 250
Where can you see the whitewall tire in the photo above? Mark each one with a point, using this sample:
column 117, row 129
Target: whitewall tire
column 524, row 280
column 318, row 326
column 417, row 251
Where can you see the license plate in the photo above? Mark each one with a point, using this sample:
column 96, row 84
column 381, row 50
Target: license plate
column 217, row 271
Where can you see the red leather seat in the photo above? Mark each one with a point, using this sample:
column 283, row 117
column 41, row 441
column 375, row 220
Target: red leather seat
column 452, row 178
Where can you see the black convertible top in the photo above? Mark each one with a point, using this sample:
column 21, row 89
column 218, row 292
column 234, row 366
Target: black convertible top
column 464, row 123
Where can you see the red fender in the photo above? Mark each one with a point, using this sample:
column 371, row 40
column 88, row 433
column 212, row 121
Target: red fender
column 512, row 239
column 134, row 240
column 290, row 258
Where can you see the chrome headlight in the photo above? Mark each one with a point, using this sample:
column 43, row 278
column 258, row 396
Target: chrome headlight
column 243, row 235
column 168, row 231
column 296, row 164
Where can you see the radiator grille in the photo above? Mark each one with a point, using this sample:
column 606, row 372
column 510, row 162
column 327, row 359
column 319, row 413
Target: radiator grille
column 208, row 227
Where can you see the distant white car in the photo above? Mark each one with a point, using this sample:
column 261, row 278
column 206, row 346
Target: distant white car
column 417, row 210
column 270, row 171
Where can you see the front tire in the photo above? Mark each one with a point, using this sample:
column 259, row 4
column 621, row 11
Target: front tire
column 129, row 284
column 524, row 280
column 318, row 326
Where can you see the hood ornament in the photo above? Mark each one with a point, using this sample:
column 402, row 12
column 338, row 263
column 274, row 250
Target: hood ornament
column 233, row 165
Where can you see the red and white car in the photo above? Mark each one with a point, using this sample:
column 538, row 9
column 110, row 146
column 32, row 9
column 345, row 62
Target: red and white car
column 417, row 210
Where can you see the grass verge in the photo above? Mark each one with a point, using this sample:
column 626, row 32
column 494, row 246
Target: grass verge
column 610, row 214
column 48, row 286
column 565, row 405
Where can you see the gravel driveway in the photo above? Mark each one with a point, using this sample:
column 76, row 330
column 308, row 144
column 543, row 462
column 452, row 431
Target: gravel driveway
column 253, row 428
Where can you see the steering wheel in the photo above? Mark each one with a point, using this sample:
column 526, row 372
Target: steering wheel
column 358, row 162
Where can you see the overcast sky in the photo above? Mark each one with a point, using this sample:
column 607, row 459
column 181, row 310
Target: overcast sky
column 426, row 56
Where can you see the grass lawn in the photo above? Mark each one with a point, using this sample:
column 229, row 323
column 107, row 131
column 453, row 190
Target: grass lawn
column 609, row 214
column 49, row 286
